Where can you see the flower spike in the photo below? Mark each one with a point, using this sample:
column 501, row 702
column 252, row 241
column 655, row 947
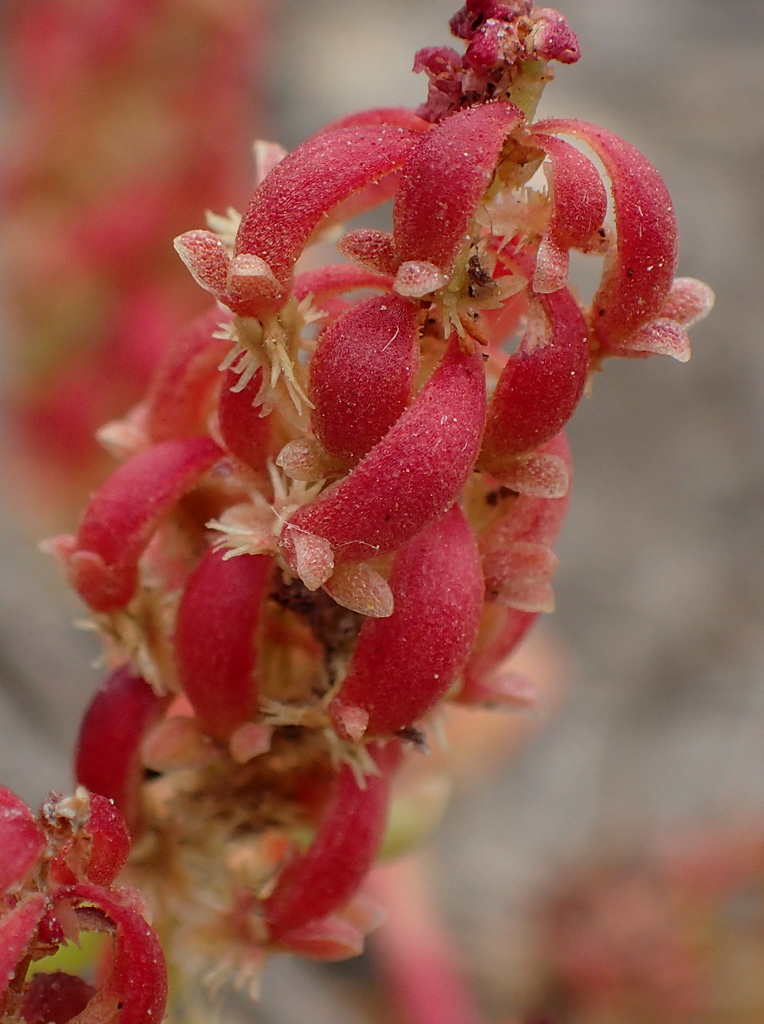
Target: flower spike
column 337, row 513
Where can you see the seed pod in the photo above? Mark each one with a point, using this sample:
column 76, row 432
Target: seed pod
column 403, row 664
column 445, row 179
column 404, row 483
column 135, row 989
column 122, row 515
column 215, row 638
column 362, row 374
column 638, row 274
column 245, row 433
column 579, row 205
column 107, row 758
column 327, row 875
column 541, row 383
column 301, row 190
column 180, row 396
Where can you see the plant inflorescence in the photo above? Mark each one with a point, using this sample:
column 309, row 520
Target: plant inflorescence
column 337, row 506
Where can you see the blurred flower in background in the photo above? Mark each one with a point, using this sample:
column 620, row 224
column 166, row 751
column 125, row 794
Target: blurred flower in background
column 126, row 120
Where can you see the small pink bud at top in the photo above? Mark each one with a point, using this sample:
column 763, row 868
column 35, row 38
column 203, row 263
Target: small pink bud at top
column 553, row 38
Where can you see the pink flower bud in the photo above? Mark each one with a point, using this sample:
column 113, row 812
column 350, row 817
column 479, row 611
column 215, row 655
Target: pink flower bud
column 553, row 38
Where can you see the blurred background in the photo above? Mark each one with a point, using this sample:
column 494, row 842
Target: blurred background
column 649, row 759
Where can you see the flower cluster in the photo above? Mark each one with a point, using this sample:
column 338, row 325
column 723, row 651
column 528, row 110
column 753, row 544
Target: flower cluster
column 57, row 881
column 337, row 506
